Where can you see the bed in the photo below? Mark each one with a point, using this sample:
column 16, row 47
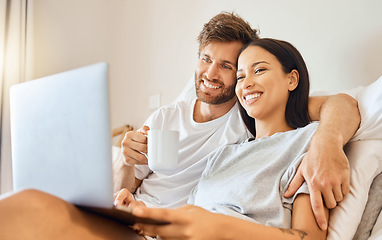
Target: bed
column 358, row 216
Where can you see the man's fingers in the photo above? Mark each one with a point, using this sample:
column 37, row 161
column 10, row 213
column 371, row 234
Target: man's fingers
column 119, row 197
column 136, row 146
column 133, row 146
column 338, row 195
column 329, row 199
column 318, row 208
column 144, row 130
column 295, row 184
column 133, row 157
column 123, row 197
column 136, row 141
column 331, row 191
column 345, row 188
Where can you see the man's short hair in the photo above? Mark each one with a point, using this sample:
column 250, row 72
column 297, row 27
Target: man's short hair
column 226, row 27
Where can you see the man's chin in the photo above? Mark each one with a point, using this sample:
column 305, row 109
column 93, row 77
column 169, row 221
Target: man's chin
column 213, row 100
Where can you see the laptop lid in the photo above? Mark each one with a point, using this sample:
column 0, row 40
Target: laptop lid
column 60, row 135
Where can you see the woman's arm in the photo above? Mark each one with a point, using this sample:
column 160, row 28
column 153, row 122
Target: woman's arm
column 191, row 222
column 303, row 217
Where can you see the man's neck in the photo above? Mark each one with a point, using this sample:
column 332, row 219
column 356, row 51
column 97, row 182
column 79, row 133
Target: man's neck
column 204, row 112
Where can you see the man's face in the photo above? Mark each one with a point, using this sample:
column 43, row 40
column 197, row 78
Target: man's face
column 215, row 75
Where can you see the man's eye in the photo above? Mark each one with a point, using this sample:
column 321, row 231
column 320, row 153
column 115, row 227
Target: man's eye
column 207, row 60
column 227, row 67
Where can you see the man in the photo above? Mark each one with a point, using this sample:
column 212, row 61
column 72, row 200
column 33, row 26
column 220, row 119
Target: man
column 213, row 119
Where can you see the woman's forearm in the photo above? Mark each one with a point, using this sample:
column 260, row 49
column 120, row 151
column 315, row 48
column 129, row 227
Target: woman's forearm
column 239, row 229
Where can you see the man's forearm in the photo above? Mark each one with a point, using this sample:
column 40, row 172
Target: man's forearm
column 338, row 115
column 123, row 175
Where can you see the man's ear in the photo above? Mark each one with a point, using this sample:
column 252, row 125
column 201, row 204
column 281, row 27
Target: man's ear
column 294, row 77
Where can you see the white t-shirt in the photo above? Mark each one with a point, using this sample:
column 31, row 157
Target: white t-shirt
column 171, row 189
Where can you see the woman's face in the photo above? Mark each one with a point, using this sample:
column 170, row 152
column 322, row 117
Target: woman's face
column 262, row 85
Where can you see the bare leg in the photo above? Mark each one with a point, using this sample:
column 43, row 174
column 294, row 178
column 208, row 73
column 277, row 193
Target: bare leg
column 32, row 214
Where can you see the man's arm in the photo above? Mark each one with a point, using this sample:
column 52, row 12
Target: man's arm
column 132, row 147
column 325, row 167
column 337, row 113
column 124, row 176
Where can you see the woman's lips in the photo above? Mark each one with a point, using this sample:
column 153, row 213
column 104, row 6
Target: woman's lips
column 252, row 97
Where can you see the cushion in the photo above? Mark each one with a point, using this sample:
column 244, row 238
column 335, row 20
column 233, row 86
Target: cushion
column 365, row 159
column 372, row 210
column 376, row 234
column 188, row 92
column 370, row 106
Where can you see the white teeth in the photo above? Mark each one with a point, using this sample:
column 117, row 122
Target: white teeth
column 252, row 96
column 207, row 84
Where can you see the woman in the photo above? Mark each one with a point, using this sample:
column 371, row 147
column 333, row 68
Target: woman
column 243, row 184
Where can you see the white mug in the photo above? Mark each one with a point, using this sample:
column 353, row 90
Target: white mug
column 162, row 149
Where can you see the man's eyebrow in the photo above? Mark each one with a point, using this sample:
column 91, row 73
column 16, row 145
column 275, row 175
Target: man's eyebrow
column 223, row 61
column 253, row 65
column 228, row 62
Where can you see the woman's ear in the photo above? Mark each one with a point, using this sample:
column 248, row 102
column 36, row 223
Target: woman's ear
column 294, row 77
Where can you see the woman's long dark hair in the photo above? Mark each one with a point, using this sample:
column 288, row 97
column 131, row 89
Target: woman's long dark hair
column 296, row 112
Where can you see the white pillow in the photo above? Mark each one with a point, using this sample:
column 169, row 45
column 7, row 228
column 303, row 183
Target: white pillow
column 188, row 92
column 370, row 107
column 365, row 159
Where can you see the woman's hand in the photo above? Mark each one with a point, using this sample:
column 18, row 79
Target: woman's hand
column 188, row 222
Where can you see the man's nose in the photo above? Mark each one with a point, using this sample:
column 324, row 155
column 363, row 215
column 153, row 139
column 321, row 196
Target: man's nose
column 212, row 71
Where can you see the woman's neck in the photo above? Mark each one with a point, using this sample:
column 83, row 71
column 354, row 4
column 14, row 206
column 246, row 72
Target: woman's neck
column 265, row 128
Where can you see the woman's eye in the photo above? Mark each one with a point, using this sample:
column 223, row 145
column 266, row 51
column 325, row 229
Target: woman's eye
column 259, row 70
column 239, row 78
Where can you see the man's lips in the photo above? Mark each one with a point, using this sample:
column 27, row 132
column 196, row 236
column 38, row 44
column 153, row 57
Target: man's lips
column 210, row 85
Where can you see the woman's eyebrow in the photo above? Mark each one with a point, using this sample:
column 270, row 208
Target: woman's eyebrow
column 253, row 65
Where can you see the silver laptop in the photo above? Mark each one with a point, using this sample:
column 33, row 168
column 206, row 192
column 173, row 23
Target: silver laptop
column 61, row 141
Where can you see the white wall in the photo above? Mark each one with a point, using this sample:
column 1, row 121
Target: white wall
column 151, row 45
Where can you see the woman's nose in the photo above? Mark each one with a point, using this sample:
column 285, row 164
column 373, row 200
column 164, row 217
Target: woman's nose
column 248, row 82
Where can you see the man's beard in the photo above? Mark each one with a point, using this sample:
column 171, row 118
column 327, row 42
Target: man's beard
column 227, row 93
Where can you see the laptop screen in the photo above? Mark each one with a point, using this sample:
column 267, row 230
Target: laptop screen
column 60, row 134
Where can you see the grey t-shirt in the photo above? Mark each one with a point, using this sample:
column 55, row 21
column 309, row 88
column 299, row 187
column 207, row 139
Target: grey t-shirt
column 248, row 180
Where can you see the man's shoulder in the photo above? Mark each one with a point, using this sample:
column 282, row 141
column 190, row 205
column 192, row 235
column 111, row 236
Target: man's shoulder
column 174, row 110
column 183, row 105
